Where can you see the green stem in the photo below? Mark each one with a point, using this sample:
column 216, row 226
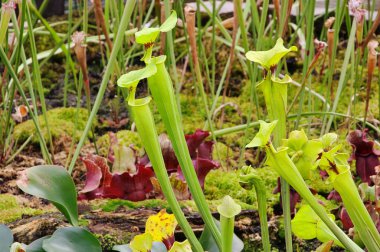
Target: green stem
column 129, row 6
column 144, row 121
column 227, row 227
column 275, row 95
column 342, row 78
column 248, row 179
column 170, row 44
column 358, row 213
column 8, row 65
column 37, row 79
column 161, row 87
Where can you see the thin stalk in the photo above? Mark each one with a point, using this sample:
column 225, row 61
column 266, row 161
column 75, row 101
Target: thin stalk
column 28, row 78
column 66, row 80
column 79, row 99
column 308, row 61
column 248, row 180
column 37, row 79
column 128, row 9
column 342, row 78
column 329, row 76
column 170, row 45
column 244, row 36
column 8, row 65
column 213, row 48
column 20, row 149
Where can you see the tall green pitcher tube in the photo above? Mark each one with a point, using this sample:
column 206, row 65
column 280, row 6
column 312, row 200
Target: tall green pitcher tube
column 162, row 91
column 144, row 121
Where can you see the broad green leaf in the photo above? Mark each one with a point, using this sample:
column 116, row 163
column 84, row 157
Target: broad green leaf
column 263, row 136
column 181, row 247
column 71, row 239
column 36, row 246
column 229, row 208
column 169, row 23
column 147, row 35
column 271, row 57
column 132, row 78
column 6, row 239
column 142, row 243
column 209, row 244
column 307, row 225
column 52, row 183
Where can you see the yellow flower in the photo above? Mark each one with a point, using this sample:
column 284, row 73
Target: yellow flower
column 161, row 226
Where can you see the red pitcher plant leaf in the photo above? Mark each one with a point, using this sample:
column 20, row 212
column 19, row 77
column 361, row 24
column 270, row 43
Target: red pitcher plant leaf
column 366, row 156
column 101, row 183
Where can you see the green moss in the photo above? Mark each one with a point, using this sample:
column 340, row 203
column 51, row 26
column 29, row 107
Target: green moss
column 193, row 115
column 109, row 205
column 220, row 183
column 124, row 137
column 225, row 155
column 107, row 241
column 61, row 123
column 11, row 210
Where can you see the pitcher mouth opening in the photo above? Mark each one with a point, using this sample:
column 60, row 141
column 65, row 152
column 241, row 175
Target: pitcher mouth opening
column 140, row 101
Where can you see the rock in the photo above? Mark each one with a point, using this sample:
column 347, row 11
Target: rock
column 31, row 229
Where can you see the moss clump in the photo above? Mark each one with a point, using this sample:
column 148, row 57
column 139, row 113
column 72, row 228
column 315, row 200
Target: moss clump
column 220, row 183
column 11, row 210
column 124, row 137
column 225, row 155
column 61, row 123
column 110, row 205
column 107, row 241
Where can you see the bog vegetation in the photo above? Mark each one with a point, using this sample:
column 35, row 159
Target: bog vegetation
column 190, row 126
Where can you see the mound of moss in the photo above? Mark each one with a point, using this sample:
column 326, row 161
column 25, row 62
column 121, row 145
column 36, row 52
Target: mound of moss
column 220, row 183
column 11, row 210
column 62, row 122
